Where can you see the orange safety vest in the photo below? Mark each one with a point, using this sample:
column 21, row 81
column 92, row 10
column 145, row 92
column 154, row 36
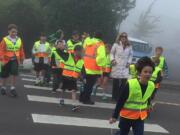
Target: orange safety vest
column 72, row 69
column 11, row 49
column 90, row 57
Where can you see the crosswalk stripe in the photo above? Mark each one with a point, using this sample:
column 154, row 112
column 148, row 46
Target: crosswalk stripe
column 49, row 89
column 33, row 80
column 26, row 75
column 86, row 122
column 54, row 100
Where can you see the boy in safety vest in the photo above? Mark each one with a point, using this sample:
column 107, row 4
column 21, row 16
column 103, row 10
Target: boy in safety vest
column 73, row 66
column 41, row 52
column 162, row 61
column 57, row 64
column 133, row 102
column 103, row 80
column 11, row 55
column 74, row 41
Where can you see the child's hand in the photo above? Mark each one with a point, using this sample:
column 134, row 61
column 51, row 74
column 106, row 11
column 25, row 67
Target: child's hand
column 112, row 120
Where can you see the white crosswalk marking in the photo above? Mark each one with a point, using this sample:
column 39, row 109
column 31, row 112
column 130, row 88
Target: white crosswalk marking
column 49, row 89
column 85, row 122
column 75, row 121
column 44, row 99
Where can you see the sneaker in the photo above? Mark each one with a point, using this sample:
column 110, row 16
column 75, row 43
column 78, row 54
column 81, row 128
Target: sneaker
column 75, row 108
column 61, row 102
column 104, row 97
column 3, row 91
column 54, row 91
column 13, row 93
column 37, row 83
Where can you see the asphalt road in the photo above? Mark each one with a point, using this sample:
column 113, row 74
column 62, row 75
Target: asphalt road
column 36, row 112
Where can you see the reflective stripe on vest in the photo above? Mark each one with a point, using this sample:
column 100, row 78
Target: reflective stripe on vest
column 11, row 48
column 155, row 73
column 90, row 58
column 136, row 104
column 72, row 69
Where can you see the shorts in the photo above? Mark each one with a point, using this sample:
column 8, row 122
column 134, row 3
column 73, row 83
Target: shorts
column 40, row 66
column 11, row 68
column 69, row 84
column 105, row 74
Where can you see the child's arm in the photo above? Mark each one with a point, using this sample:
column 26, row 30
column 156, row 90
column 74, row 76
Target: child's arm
column 122, row 99
column 64, row 55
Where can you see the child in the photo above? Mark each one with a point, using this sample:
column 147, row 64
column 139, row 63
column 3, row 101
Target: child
column 41, row 52
column 133, row 102
column 57, row 64
column 162, row 61
column 73, row 65
column 11, row 55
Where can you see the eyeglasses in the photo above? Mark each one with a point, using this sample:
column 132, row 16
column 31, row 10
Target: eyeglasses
column 125, row 36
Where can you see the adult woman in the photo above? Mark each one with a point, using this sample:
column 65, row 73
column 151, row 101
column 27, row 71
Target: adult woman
column 121, row 57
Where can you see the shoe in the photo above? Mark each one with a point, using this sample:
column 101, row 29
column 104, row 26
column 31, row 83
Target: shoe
column 61, row 102
column 104, row 98
column 89, row 102
column 3, row 91
column 13, row 93
column 54, row 91
column 75, row 108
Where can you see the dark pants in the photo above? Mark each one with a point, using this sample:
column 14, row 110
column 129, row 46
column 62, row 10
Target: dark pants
column 57, row 78
column 118, row 85
column 126, row 124
column 88, row 87
column 47, row 76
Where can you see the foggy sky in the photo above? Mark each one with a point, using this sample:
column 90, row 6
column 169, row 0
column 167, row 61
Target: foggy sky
column 169, row 38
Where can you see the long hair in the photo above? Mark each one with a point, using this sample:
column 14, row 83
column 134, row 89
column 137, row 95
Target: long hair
column 119, row 37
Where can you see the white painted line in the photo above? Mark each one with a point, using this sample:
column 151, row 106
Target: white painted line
column 27, row 75
column 85, row 122
column 167, row 103
column 53, row 100
column 31, row 80
column 49, row 89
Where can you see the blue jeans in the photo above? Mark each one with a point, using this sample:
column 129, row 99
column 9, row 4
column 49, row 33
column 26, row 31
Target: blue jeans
column 126, row 124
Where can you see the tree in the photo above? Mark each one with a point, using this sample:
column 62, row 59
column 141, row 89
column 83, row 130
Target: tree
column 86, row 15
column 147, row 24
column 27, row 15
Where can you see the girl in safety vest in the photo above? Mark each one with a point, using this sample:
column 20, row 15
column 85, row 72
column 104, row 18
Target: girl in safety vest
column 132, row 105
column 57, row 64
column 73, row 65
column 11, row 55
column 103, row 80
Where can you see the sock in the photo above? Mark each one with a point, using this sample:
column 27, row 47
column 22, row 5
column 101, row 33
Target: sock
column 3, row 87
column 12, row 88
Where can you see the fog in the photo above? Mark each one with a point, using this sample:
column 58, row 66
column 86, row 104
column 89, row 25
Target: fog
column 169, row 27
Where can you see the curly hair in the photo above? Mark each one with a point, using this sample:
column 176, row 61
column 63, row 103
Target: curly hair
column 143, row 62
